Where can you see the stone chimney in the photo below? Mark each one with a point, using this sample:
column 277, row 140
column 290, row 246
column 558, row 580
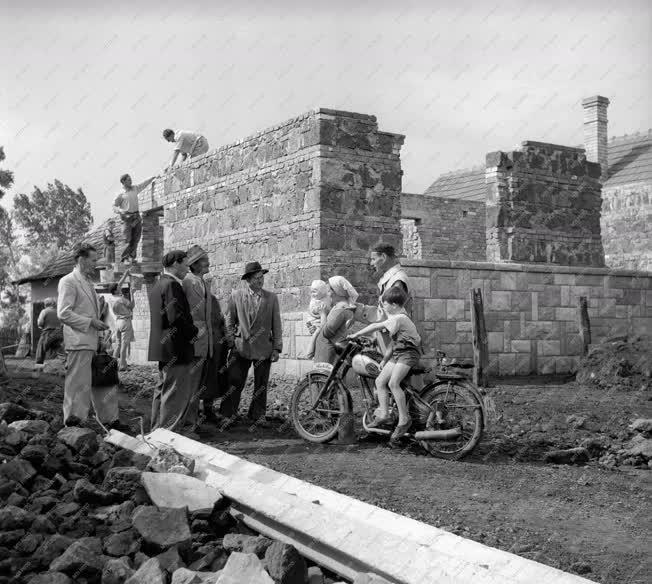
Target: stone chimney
column 595, row 131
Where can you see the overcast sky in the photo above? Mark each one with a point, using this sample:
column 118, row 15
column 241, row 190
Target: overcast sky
column 88, row 87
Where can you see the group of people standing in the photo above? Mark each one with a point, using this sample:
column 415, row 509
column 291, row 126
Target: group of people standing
column 204, row 353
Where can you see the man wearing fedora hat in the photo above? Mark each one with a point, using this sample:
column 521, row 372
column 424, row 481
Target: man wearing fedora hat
column 253, row 322
column 209, row 348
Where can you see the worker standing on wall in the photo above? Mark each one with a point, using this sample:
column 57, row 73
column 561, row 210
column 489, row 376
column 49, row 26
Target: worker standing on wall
column 126, row 205
column 188, row 144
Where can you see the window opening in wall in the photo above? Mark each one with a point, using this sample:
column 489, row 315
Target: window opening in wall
column 465, row 213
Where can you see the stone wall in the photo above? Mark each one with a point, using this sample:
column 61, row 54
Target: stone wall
column 531, row 312
column 543, row 206
column 307, row 198
column 446, row 228
column 627, row 226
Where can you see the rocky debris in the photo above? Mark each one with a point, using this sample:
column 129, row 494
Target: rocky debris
column 170, row 560
column 17, row 470
column 82, row 558
column 149, row 573
column 248, row 544
column 186, row 576
column 36, row 454
column 577, row 455
column 175, row 490
column 12, row 517
column 247, row 568
column 52, row 548
column 85, row 492
column 125, row 482
column 51, row 578
column 168, row 460
column 11, row 412
column 621, row 362
column 30, row 426
column 643, row 425
column 123, row 543
column 285, row 564
column 128, row 458
column 116, row 571
column 162, row 528
column 315, row 575
column 81, row 440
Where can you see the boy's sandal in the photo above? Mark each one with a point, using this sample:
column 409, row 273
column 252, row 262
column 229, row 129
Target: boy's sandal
column 401, row 430
column 376, row 422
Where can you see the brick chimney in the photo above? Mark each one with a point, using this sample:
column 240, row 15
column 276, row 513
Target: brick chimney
column 595, row 131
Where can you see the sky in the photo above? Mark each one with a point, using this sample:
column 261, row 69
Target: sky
column 88, row 87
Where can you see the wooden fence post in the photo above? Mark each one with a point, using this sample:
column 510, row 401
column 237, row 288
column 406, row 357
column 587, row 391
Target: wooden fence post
column 480, row 344
column 584, row 324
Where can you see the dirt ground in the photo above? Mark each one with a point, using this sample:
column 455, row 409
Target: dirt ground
column 587, row 519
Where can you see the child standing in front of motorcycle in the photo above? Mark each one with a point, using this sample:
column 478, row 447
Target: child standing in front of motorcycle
column 402, row 354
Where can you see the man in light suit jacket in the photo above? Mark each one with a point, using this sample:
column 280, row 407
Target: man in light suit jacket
column 171, row 337
column 253, row 324
column 78, row 308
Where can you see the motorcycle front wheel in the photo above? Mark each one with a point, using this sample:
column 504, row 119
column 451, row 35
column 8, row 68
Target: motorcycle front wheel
column 456, row 407
column 319, row 421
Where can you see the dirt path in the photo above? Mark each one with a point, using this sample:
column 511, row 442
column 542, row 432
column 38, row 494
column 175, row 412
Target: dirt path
column 582, row 519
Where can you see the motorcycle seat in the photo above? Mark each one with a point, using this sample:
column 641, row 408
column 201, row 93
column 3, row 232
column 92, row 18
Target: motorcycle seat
column 419, row 369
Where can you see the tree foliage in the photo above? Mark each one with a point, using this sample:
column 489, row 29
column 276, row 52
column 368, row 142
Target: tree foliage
column 57, row 215
column 6, row 176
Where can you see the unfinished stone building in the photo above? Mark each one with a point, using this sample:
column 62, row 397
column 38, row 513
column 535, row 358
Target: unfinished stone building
column 309, row 197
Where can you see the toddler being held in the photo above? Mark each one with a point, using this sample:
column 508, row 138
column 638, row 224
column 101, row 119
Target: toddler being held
column 320, row 305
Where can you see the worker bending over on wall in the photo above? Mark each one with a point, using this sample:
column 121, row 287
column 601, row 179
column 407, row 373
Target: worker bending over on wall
column 188, row 144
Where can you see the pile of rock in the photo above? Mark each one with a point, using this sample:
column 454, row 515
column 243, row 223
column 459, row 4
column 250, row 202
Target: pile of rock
column 636, row 451
column 78, row 510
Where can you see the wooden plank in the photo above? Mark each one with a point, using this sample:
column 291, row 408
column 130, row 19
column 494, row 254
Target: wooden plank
column 584, row 324
column 480, row 342
column 470, row 561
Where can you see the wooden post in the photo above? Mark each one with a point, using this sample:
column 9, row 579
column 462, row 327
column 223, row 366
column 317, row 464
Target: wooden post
column 584, row 324
column 480, row 344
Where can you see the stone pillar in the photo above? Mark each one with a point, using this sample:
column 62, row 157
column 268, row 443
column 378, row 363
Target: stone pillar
column 543, row 206
column 595, row 132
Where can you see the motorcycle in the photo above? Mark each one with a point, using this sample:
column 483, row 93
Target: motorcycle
column 448, row 414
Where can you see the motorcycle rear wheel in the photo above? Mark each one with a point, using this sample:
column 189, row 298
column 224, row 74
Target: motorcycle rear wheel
column 460, row 408
column 322, row 423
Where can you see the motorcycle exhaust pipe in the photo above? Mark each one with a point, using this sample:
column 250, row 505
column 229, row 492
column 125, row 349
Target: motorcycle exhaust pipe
column 378, row 431
column 438, row 434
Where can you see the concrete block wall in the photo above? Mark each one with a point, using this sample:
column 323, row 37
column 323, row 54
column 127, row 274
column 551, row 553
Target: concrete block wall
column 531, row 312
column 627, row 226
column 543, row 206
column 446, row 228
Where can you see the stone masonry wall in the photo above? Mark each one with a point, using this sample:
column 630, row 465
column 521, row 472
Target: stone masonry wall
column 543, row 206
column 306, row 198
column 531, row 311
column 448, row 228
column 627, row 226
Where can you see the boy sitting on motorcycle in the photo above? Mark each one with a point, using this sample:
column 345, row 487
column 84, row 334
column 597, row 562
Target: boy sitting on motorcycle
column 402, row 354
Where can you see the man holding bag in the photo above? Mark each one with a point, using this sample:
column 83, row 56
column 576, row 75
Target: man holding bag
column 78, row 308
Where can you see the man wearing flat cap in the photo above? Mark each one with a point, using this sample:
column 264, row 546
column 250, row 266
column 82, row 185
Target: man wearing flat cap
column 171, row 337
column 209, row 347
column 253, row 321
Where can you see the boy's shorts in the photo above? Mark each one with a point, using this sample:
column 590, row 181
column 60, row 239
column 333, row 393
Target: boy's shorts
column 407, row 356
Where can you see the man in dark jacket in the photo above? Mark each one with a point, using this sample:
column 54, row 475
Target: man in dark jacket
column 171, row 343
column 253, row 324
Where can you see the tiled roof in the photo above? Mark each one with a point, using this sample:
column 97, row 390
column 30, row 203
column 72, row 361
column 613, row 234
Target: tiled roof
column 462, row 184
column 65, row 260
column 630, row 159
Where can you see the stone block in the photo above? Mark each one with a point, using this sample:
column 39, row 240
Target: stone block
column 496, row 342
column 500, row 301
column 445, row 331
column 564, row 365
column 523, row 364
column 420, row 286
column 507, row 364
column 446, row 287
column 546, row 365
column 548, row 347
column 568, row 314
column 434, row 309
column 565, row 279
column 455, row 309
column 521, row 301
column 520, row 346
